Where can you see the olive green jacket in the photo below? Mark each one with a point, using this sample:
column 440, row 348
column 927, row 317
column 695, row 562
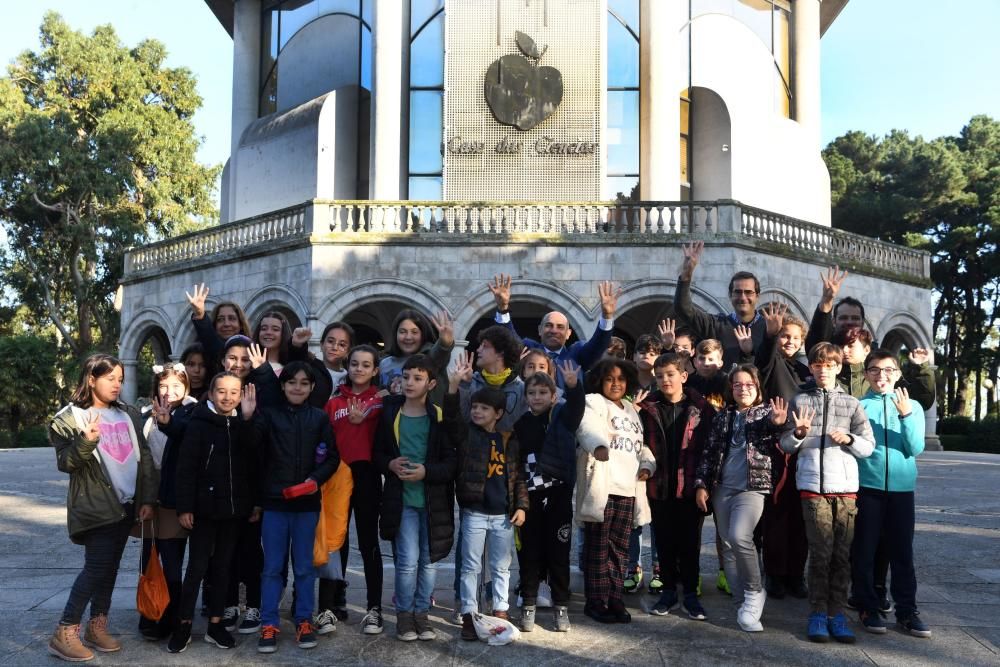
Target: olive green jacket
column 91, row 501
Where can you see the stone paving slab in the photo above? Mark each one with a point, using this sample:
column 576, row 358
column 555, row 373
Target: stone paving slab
column 958, row 567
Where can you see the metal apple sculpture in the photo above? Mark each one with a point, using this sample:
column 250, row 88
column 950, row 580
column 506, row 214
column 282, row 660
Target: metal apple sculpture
column 521, row 93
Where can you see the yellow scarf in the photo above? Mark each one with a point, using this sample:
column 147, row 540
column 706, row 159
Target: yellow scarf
column 496, row 379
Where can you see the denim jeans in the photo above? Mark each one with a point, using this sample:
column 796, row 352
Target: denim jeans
column 415, row 573
column 495, row 532
column 635, row 547
column 277, row 530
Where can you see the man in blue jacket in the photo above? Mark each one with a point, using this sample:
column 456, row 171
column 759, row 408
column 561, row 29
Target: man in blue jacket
column 885, row 499
column 554, row 329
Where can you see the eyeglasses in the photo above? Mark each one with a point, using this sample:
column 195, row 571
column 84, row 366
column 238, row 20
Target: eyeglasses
column 829, row 365
column 743, row 292
column 744, row 386
column 886, row 372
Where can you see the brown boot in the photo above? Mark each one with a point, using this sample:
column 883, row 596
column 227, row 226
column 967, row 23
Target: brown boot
column 468, row 629
column 65, row 644
column 97, row 636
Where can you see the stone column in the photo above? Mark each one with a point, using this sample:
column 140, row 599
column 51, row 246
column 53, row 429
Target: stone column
column 246, row 83
column 390, row 42
column 806, row 67
column 659, row 100
column 130, row 387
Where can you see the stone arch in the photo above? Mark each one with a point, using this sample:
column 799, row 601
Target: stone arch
column 277, row 297
column 902, row 328
column 644, row 303
column 150, row 321
column 480, row 304
column 787, row 297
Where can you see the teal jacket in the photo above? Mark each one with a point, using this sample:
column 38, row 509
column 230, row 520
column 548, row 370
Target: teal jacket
column 898, row 442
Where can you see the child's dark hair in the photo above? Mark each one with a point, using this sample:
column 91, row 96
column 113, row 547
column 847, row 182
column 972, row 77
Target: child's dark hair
column 420, row 362
column 427, row 334
column 95, row 366
column 240, row 315
column 880, row 354
column 191, row 350
column 540, row 378
column 674, row 359
column 851, row 336
column 684, row 332
column 504, row 342
column 490, row 396
column 239, row 340
column 750, row 370
column 648, row 343
column 223, row 374
column 170, row 372
column 549, row 364
column 363, row 348
column 343, row 326
column 596, row 375
column 286, row 333
column 617, row 348
column 293, row 368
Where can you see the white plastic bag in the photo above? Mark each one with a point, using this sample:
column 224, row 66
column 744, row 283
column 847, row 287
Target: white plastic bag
column 494, row 631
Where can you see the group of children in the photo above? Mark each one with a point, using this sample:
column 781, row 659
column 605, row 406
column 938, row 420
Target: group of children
column 254, row 453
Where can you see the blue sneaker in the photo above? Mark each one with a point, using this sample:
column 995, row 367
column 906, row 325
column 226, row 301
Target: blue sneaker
column 913, row 625
column 818, row 628
column 872, row 622
column 839, row 630
column 666, row 603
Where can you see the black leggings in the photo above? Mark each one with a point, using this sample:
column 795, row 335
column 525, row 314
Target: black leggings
column 365, row 500
column 102, row 554
column 212, row 545
column 247, row 565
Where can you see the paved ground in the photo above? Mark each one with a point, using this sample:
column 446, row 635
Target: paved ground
column 958, row 567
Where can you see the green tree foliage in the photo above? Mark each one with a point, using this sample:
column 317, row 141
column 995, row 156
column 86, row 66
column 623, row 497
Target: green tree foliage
column 97, row 154
column 28, row 387
column 942, row 196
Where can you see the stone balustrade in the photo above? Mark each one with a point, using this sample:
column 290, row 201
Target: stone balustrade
column 323, row 221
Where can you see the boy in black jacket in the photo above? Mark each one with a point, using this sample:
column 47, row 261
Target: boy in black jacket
column 415, row 450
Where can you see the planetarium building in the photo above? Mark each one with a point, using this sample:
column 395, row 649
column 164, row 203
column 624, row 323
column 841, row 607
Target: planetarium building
column 399, row 153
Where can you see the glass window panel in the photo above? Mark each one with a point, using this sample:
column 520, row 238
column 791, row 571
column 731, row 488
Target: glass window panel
column 623, row 56
column 627, row 10
column 366, row 58
column 367, row 9
column 685, row 115
column 420, row 11
column 427, row 55
column 426, row 131
column 623, row 132
column 685, row 157
column 685, row 63
column 782, row 53
column 756, row 15
column 268, row 44
column 268, row 102
column 623, row 188
column 294, row 15
column 352, row 7
column 782, row 100
column 425, row 188
column 699, row 7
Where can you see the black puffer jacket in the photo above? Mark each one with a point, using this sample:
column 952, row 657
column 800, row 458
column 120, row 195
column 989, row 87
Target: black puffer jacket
column 473, row 464
column 439, row 482
column 174, row 430
column 289, row 436
column 763, row 439
column 216, row 465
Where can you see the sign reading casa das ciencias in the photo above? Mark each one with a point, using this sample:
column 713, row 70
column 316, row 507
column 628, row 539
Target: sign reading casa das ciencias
column 517, row 127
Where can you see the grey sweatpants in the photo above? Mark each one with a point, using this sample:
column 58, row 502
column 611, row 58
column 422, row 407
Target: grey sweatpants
column 736, row 516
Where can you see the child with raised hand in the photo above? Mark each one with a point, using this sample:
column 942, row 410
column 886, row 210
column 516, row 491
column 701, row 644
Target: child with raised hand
column 330, row 368
column 227, row 320
column 215, row 497
column 831, row 433
column 298, row 455
column 491, row 493
column 274, row 334
column 676, row 423
column 415, row 334
column 735, row 471
column 612, row 468
column 168, row 417
column 354, row 411
column 888, row 479
column 99, row 443
column 415, row 450
column 547, row 438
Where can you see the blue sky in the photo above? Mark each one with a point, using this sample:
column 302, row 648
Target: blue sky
column 926, row 67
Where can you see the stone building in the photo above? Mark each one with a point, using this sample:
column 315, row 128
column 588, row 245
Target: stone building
column 399, row 153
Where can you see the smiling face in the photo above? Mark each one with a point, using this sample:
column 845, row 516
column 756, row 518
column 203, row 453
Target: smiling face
column 361, row 369
column 847, row 317
column 237, row 360
column 614, row 385
column 882, row 375
column 104, row 390
column 335, row 347
column 744, row 390
column 172, row 390
column 227, row 322
column 670, row 380
column 743, row 296
column 270, row 334
column 484, row 416
column 790, row 340
column 554, row 330
column 226, row 394
column 535, row 362
column 195, row 369
column 540, row 398
column 298, row 388
column 408, row 337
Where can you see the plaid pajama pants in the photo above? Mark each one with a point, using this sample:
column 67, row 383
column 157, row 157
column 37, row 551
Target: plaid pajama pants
column 606, row 551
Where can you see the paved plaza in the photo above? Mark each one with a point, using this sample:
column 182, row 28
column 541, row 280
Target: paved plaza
column 957, row 557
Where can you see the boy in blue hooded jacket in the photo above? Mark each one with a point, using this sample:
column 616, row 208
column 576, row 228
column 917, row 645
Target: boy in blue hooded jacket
column 885, row 500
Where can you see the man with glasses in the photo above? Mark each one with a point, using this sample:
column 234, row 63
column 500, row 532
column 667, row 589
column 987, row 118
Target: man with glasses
column 744, row 290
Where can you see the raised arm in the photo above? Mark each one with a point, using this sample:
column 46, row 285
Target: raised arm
column 821, row 327
column 589, row 353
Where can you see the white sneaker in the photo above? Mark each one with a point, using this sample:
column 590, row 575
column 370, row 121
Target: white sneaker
column 751, row 610
column 230, row 618
column 326, row 622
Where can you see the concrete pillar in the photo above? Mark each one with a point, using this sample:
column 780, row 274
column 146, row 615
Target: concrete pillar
column 390, row 103
column 659, row 100
column 806, row 67
column 130, row 386
column 932, row 442
column 246, row 84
